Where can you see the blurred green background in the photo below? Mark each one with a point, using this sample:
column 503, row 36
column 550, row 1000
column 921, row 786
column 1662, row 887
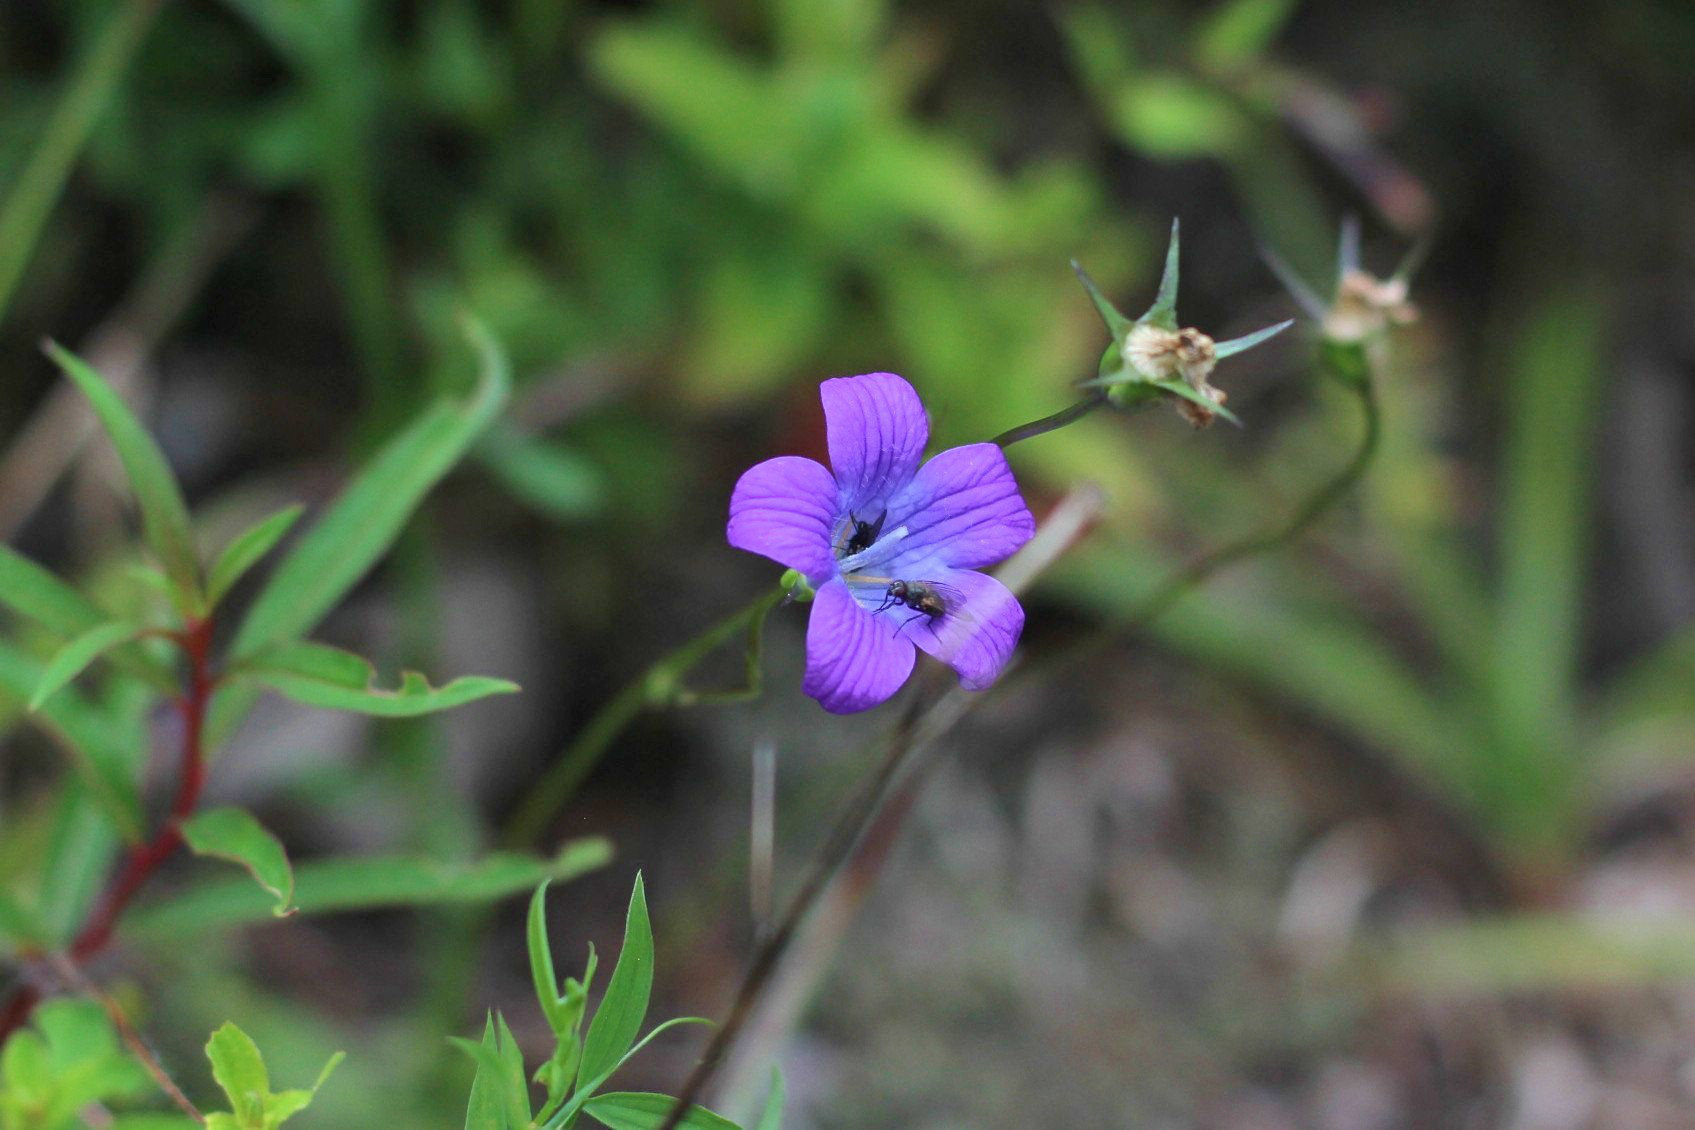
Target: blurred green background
column 1394, row 829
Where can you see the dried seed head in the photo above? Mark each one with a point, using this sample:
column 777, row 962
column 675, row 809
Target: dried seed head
column 1190, row 355
column 1366, row 305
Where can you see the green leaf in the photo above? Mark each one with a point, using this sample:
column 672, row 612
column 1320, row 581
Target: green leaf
column 1163, row 312
column 164, row 514
column 586, row 1090
column 1187, row 392
column 484, row 1110
column 638, row 1110
column 499, row 1087
column 362, row 524
column 240, row 1070
column 72, row 659
column 246, row 549
column 1116, row 323
column 550, row 477
column 19, row 925
column 1247, row 341
column 618, row 1020
column 233, row 834
column 79, row 854
column 771, row 1118
column 1238, row 31
column 319, row 675
column 155, row 1121
column 32, row 592
column 103, row 760
column 328, row 885
column 542, row 972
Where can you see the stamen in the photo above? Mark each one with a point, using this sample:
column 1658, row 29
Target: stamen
column 880, row 551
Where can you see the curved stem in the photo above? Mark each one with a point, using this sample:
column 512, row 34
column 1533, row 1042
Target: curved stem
column 1060, row 419
column 659, row 685
column 1317, row 504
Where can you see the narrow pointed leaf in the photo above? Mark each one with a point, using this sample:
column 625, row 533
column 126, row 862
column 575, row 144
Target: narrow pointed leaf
column 1181, row 388
column 542, row 972
column 1247, row 341
column 484, row 1111
column 34, row 593
column 618, row 1020
column 107, row 764
column 246, row 549
column 638, row 1110
column 771, row 1118
column 164, row 514
column 1117, row 324
column 74, row 658
column 330, row 885
column 361, row 525
column 285, row 1104
column 502, row 1092
column 323, row 676
column 586, row 1089
column 234, row 834
column 1309, row 302
column 1164, row 310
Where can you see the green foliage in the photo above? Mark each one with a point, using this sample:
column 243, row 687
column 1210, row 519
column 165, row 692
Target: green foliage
column 69, row 1059
column 579, row 1066
column 164, row 514
column 324, row 886
column 234, row 834
column 240, row 1071
column 74, row 657
column 246, row 550
column 327, row 677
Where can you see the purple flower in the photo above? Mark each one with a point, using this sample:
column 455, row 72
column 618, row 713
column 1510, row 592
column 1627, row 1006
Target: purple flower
column 891, row 548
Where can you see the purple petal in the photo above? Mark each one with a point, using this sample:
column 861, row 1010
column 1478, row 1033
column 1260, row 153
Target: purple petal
column 978, row 632
column 784, row 508
column 853, row 660
column 963, row 509
column 877, row 431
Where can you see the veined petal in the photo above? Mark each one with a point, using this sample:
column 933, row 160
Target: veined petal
column 962, row 509
column 854, row 661
column 977, row 633
column 877, row 430
column 784, row 508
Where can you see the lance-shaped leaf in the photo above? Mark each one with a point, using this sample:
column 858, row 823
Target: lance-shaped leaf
column 500, row 1098
column 323, row 886
column 1163, row 312
column 319, row 675
column 164, row 514
column 638, row 1110
column 246, row 549
column 359, row 528
column 74, row 657
column 34, row 593
column 1247, row 341
column 1182, row 389
column 618, row 1020
column 234, row 834
column 1116, row 323
column 103, row 760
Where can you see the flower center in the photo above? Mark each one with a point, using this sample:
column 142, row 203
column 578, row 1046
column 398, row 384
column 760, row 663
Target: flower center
column 874, row 556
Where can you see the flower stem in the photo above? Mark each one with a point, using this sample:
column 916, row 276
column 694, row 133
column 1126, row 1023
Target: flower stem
column 659, row 685
column 1060, row 419
column 144, row 859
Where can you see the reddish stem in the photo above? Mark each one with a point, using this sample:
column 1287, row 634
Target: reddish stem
column 144, row 859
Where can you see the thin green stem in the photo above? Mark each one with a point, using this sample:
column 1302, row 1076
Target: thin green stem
column 659, row 685
column 1052, row 423
column 43, row 179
